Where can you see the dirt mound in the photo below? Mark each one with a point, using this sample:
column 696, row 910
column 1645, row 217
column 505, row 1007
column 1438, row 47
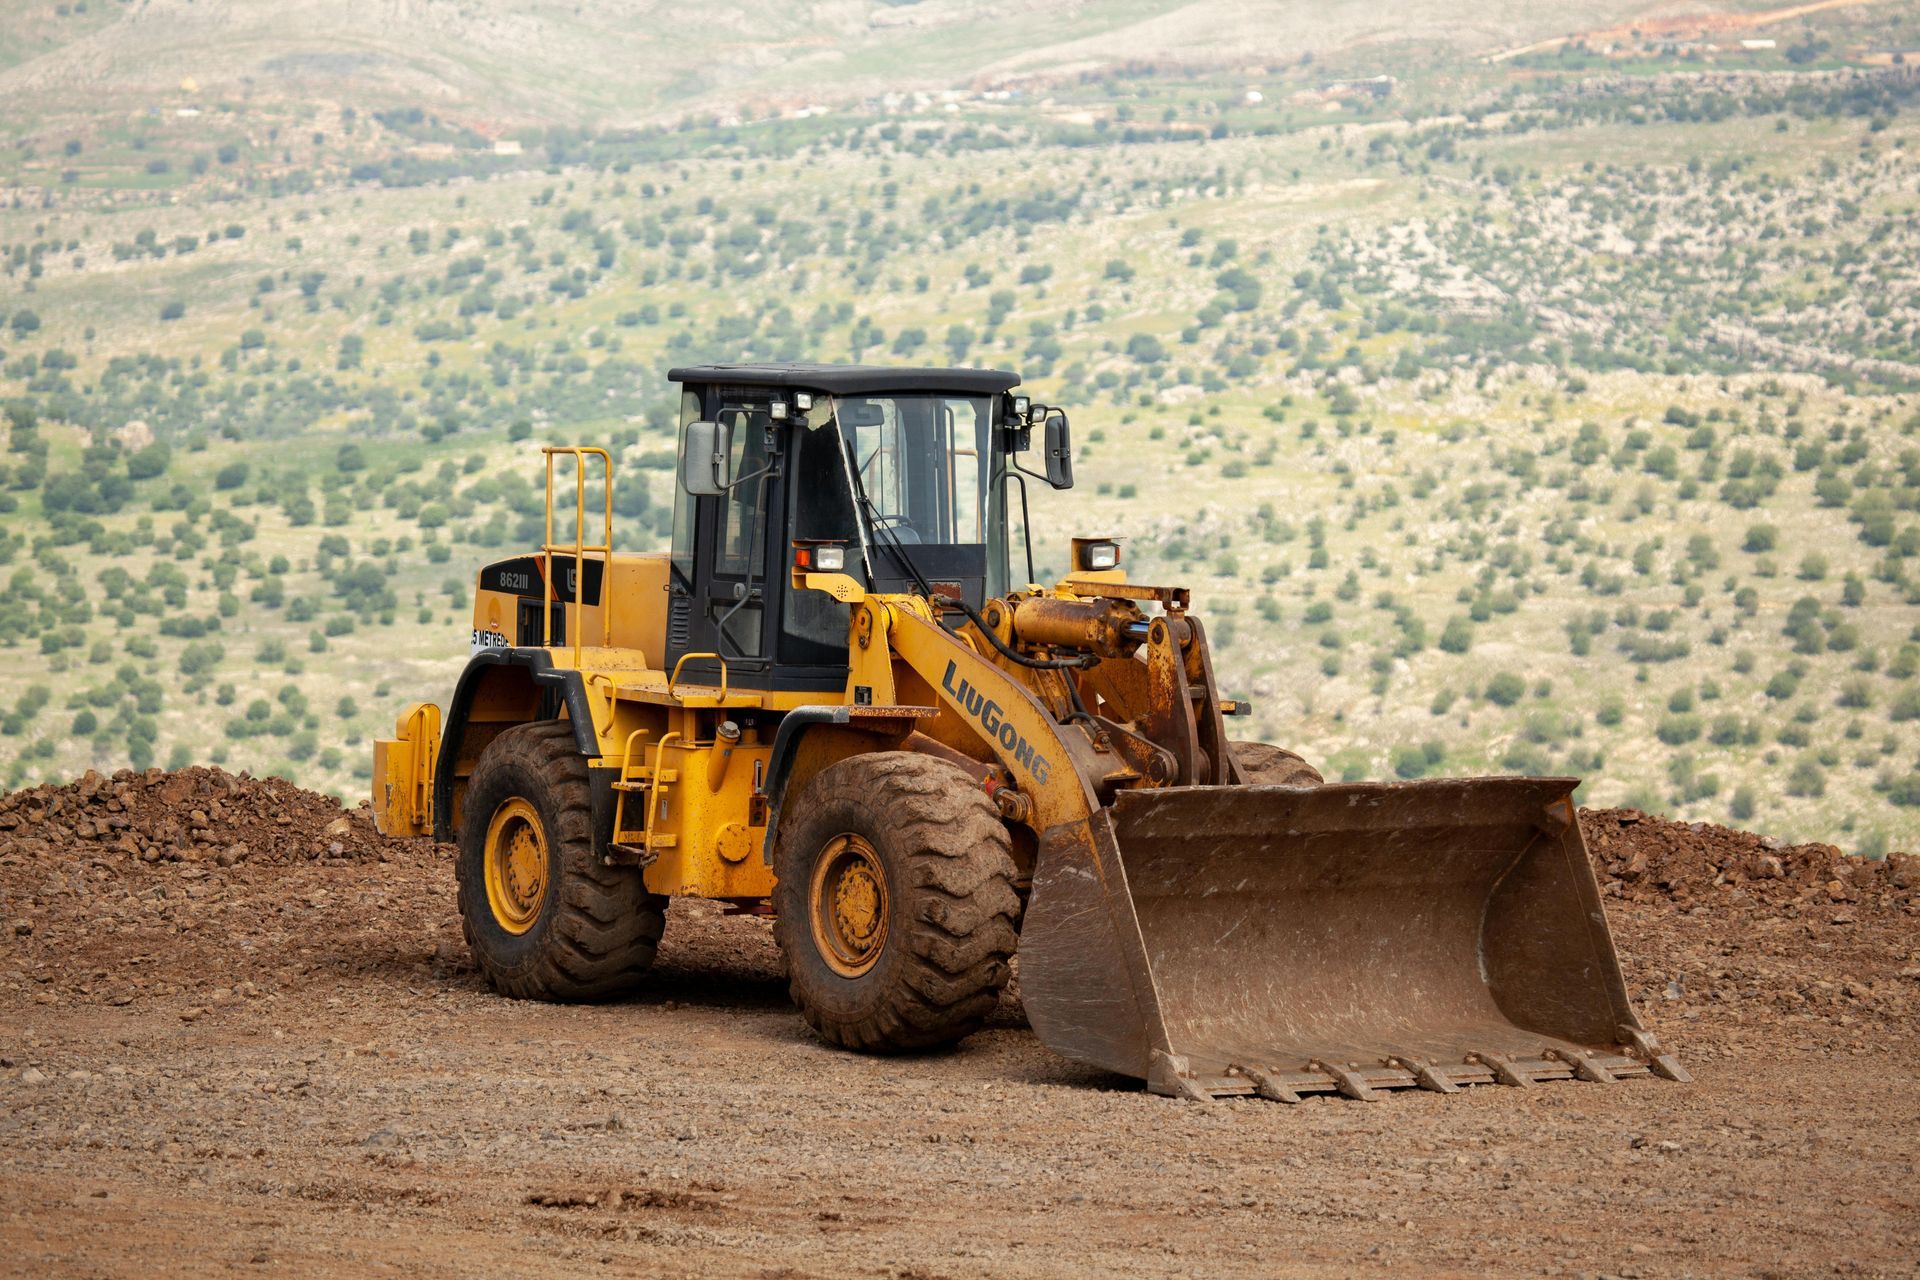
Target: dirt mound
column 210, row 815
column 1641, row 858
column 187, row 815
column 1722, row 929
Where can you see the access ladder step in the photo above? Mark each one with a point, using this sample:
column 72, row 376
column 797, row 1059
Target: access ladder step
column 647, row 779
column 629, row 853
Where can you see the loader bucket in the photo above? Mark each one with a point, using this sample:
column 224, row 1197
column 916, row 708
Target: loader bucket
column 1345, row 939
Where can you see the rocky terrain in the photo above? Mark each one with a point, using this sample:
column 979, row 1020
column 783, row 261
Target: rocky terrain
column 238, row 1032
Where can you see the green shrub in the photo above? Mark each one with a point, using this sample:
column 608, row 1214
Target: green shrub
column 1506, row 689
column 1807, row 779
column 1676, row 730
column 1528, row 758
column 1855, row 693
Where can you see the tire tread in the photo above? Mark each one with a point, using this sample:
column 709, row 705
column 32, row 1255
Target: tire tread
column 601, row 928
column 960, row 923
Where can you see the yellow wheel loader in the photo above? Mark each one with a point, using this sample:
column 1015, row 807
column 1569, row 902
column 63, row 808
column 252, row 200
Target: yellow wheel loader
column 830, row 702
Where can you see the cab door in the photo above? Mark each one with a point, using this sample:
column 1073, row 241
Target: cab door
column 721, row 591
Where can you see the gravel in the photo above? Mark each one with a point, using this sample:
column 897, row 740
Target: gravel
column 285, row 1061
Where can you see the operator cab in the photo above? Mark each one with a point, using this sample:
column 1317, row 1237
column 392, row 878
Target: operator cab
column 906, row 471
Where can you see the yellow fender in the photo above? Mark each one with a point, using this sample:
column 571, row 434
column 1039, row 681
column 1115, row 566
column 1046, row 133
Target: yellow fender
column 403, row 773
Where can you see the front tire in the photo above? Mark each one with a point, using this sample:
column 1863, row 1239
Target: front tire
column 897, row 913
column 544, row 918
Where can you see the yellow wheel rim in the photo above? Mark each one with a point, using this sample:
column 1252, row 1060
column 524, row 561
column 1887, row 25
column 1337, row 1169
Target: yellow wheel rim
column 516, row 865
column 847, row 902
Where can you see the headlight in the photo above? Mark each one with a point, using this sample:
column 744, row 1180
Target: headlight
column 803, row 401
column 830, row 559
column 1094, row 554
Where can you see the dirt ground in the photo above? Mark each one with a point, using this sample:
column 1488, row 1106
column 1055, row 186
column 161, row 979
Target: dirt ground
column 239, row 1032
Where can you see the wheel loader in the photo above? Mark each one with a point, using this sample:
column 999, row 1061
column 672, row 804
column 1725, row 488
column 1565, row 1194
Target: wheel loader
column 830, row 701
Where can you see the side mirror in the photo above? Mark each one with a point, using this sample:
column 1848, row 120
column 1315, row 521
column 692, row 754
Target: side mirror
column 1057, row 445
column 706, row 458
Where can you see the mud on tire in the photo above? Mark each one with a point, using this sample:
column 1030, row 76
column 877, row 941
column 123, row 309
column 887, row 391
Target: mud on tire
column 597, row 927
column 951, row 914
column 1266, row 765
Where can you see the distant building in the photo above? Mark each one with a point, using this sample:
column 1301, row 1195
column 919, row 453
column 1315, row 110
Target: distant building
column 1374, row 86
column 1759, row 44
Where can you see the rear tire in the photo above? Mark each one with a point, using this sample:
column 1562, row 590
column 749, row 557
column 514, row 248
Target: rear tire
column 544, row 917
column 1266, row 765
column 896, row 906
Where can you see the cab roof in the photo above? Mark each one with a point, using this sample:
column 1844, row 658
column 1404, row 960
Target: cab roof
column 849, row 379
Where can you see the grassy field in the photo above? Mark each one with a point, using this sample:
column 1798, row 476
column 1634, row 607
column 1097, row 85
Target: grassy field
column 1528, row 419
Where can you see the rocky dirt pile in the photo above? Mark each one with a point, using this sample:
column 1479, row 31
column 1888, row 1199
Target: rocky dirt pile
column 102, row 877
column 206, row 815
column 197, row 888
column 1720, row 929
column 1641, row 858
column 187, row 815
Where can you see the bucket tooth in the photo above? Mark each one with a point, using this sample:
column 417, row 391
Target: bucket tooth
column 1426, row 1076
column 1269, row 1085
column 1505, row 1070
column 1172, row 1076
column 1587, row 1066
column 1349, row 1082
column 1661, row 1063
column 1668, row 1067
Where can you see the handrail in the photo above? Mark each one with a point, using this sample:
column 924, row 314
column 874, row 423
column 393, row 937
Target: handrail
column 687, row 657
column 580, row 546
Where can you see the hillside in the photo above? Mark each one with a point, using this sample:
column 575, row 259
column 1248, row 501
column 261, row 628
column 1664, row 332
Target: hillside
column 1560, row 414
column 627, row 61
